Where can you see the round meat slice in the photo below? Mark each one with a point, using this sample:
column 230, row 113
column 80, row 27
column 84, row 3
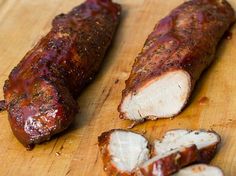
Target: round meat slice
column 200, row 170
column 122, row 151
column 206, row 142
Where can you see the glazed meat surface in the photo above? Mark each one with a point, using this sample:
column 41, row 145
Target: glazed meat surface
column 175, row 54
column 42, row 89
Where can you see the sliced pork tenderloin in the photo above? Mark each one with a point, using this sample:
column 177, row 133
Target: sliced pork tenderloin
column 175, row 54
column 125, row 153
column 122, row 151
column 206, row 142
column 179, row 148
column 200, row 170
column 169, row 162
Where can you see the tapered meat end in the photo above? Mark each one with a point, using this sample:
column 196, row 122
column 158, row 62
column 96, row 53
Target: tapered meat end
column 162, row 97
column 200, row 170
column 205, row 141
column 122, row 151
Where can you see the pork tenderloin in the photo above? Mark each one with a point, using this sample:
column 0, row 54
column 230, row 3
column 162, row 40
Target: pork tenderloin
column 168, row 163
column 42, row 89
column 175, row 54
column 122, row 151
column 205, row 141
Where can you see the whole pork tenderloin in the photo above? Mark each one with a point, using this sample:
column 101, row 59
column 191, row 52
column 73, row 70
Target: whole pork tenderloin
column 42, row 89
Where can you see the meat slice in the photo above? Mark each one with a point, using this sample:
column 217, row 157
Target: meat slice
column 169, row 162
column 122, row 151
column 205, row 141
column 200, row 170
column 41, row 91
column 179, row 148
column 175, row 54
column 126, row 153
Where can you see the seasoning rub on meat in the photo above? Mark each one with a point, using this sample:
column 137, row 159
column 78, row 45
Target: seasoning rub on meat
column 175, row 54
column 42, row 89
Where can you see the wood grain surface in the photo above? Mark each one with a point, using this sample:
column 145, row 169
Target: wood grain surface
column 75, row 152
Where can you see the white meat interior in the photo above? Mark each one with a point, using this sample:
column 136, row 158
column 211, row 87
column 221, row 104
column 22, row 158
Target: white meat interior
column 177, row 138
column 163, row 97
column 199, row 170
column 128, row 150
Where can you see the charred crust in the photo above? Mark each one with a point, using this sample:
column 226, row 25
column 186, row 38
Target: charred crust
column 171, row 163
column 104, row 137
column 2, row 105
column 206, row 154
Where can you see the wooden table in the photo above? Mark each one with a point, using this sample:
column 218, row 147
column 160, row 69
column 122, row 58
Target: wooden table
column 75, row 152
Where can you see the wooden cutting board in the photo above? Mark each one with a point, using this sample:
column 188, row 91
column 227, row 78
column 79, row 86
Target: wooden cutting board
column 75, row 152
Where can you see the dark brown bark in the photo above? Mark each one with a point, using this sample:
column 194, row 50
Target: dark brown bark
column 41, row 91
column 185, row 40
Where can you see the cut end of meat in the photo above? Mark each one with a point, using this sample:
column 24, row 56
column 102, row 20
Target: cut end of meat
column 200, row 170
column 173, row 58
column 128, row 150
column 205, row 141
column 159, row 98
column 123, row 151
